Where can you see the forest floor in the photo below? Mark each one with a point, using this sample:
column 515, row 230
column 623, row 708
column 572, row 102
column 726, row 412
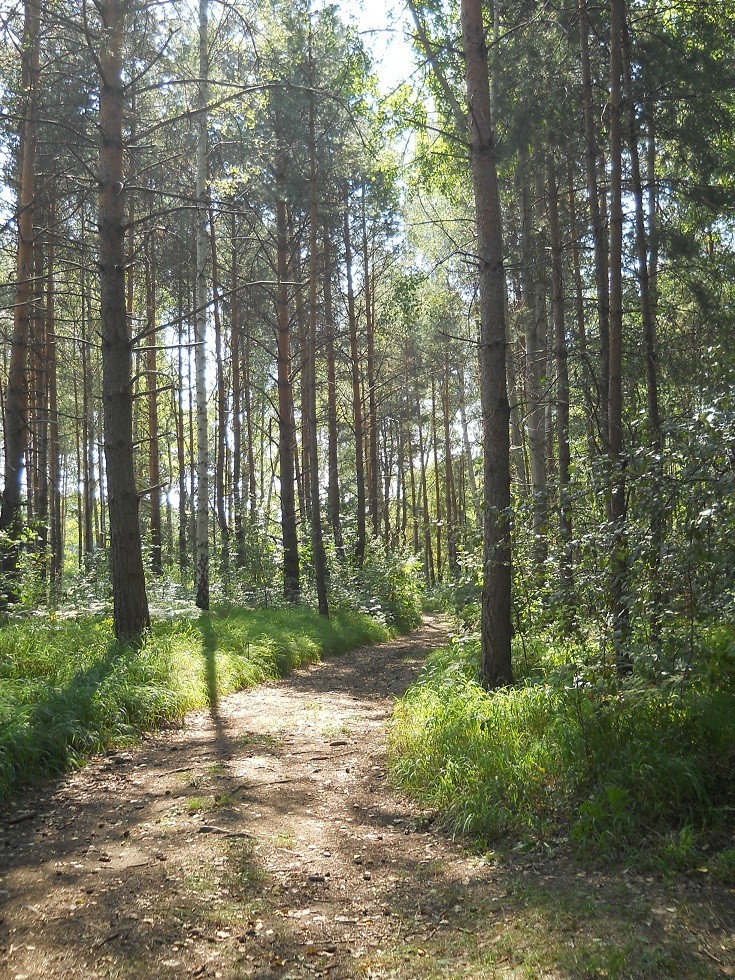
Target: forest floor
column 261, row 839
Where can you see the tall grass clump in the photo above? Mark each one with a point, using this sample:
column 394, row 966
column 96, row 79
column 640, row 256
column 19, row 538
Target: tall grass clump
column 570, row 750
column 68, row 691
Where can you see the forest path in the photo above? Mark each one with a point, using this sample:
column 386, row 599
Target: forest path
column 261, row 840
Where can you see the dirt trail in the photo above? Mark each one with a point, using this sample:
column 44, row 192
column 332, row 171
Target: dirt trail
column 261, row 840
column 256, row 840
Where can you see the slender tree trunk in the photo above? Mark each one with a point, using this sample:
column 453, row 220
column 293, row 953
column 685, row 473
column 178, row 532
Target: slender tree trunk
column 562, row 385
column 220, row 459
column 597, row 221
column 286, row 429
column 178, row 406
column 56, row 550
column 154, row 463
column 300, row 356
column 317, row 543
column 429, row 569
column 78, row 453
column 333, row 493
column 437, row 487
column 41, row 408
column 414, row 500
column 356, row 393
column 372, row 427
column 495, row 668
column 536, row 330
column 619, row 560
column 87, row 434
column 642, row 253
column 200, row 356
column 451, row 496
column 235, row 357
column 249, row 431
column 16, row 393
column 471, row 479
column 130, row 603
column 591, row 400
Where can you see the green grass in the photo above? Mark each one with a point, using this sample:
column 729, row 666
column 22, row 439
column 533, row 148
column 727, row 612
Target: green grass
column 570, row 751
column 68, row 691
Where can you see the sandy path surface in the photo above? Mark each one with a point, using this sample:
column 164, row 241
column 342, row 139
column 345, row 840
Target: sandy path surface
column 259, row 839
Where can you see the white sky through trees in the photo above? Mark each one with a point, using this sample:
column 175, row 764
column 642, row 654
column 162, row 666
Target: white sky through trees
column 383, row 26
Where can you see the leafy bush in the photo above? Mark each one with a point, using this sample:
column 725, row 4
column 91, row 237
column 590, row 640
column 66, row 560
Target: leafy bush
column 386, row 587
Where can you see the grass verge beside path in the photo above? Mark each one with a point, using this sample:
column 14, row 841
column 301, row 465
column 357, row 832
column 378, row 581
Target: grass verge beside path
column 617, row 766
column 67, row 690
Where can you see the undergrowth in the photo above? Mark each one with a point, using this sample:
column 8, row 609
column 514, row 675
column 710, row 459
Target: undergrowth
column 68, row 691
column 572, row 751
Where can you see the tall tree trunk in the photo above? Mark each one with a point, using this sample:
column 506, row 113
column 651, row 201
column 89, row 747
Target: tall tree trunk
column 221, row 454
column 495, row 667
column 87, row 433
column 562, row 385
column 333, row 494
column 154, row 463
column 178, row 404
column 317, row 543
column 56, row 550
column 536, row 381
column 451, row 496
column 471, row 479
column 16, row 393
column 302, row 452
column 619, row 559
column 130, row 603
column 286, row 428
column 429, row 570
column 591, row 399
column 41, row 408
column 200, row 337
column 78, row 460
column 437, row 487
column 250, row 430
column 372, row 426
column 356, row 392
column 235, row 359
column 642, row 254
column 592, row 154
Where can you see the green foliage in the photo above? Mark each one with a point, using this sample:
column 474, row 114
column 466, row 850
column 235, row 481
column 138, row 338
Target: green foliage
column 571, row 750
column 386, row 587
column 68, row 691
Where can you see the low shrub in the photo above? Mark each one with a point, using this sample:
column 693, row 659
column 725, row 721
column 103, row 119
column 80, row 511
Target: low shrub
column 570, row 750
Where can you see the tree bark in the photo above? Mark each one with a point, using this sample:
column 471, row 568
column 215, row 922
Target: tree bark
column 286, row 429
column 619, row 558
column 154, row 461
column 333, row 492
column 536, row 335
column 130, row 603
column 221, row 453
column 16, row 392
column 437, row 486
column 56, row 537
column 592, row 154
column 562, row 385
column 372, row 426
column 356, row 393
column 317, row 542
column 495, row 668
column 200, row 323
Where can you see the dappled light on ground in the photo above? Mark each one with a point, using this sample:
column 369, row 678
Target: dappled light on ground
column 261, row 839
